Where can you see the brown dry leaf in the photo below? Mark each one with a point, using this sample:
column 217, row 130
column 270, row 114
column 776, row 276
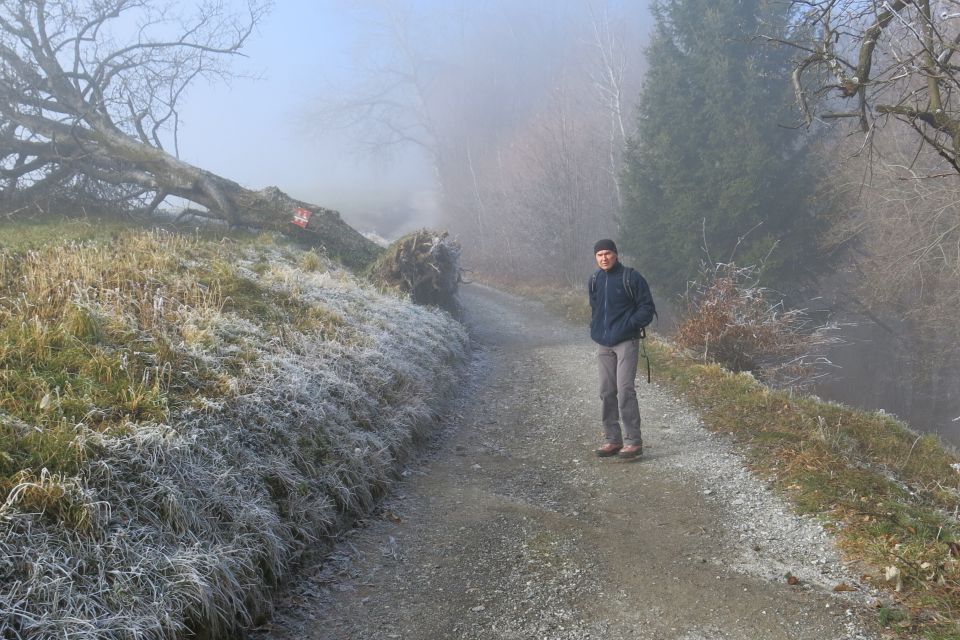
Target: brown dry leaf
column 843, row 586
column 793, row 580
column 392, row 517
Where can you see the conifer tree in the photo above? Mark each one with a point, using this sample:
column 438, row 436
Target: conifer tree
column 713, row 173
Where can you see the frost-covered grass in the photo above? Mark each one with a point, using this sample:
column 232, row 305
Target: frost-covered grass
column 180, row 419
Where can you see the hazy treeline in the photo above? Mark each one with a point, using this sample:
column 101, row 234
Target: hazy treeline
column 546, row 131
column 899, row 280
column 689, row 131
column 523, row 110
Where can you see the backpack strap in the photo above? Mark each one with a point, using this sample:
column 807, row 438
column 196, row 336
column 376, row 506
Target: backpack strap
column 593, row 281
column 627, row 275
column 643, row 352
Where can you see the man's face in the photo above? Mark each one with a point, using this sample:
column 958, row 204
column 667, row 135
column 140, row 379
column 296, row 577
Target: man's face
column 606, row 259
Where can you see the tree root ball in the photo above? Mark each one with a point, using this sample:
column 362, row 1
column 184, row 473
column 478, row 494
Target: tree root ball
column 424, row 264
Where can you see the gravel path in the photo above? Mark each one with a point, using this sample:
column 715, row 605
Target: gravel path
column 509, row 528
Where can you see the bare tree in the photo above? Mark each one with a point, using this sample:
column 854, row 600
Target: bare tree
column 900, row 236
column 890, row 66
column 551, row 189
column 88, row 96
column 521, row 108
column 903, row 232
column 403, row 95
column 611, row 75
column 389, row 104
column 879, row 59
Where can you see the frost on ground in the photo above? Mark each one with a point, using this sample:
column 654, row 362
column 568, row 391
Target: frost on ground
column 188, row 525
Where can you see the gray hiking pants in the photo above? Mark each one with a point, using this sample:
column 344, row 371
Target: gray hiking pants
column 618, row 392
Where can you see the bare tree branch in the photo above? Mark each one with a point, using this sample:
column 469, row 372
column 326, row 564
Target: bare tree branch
column 89, row 92
column 892, row 58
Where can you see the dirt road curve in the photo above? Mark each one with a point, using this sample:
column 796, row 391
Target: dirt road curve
column 511, row 529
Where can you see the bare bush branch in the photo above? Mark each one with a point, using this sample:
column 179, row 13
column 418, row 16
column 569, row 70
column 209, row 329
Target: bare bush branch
column 729, row 319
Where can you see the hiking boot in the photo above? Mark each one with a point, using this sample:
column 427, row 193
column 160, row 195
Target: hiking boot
column 631, row 451
column 607, row 450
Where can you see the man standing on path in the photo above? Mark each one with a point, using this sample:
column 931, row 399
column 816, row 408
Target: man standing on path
column 621, row 306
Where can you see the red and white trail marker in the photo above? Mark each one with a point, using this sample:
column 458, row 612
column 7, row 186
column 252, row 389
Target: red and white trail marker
column 301, row 217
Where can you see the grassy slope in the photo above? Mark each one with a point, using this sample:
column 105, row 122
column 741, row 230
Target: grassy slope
column 890, row 495
column 180, row 418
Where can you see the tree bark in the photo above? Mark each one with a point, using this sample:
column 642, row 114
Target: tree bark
column 273, row 209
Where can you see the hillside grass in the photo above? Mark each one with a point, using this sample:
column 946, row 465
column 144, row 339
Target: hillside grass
column 183, row 415
column 890, row 495
column 90, row 331
column 21, row 235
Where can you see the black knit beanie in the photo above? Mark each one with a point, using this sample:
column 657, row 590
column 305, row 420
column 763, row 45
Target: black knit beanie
column 604, row 245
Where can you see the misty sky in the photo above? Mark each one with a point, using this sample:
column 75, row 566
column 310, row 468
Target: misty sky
column 257, row 131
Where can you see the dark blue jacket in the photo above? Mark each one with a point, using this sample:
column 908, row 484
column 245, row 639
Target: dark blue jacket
column 616, row 316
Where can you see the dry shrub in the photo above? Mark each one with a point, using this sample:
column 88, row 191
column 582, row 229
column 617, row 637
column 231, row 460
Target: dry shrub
column 731, row 320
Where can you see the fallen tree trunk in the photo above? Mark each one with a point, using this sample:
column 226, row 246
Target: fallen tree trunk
column 272, row 209
column 84, row 113
column 113, row 158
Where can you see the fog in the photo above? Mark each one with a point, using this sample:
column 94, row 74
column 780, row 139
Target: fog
column 503, row 121
column 487, row 68
column 256, row 129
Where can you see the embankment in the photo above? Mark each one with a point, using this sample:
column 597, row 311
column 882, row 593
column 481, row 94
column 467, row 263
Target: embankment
column 267, row 398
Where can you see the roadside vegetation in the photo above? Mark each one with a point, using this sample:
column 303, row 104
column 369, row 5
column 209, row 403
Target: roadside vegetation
column 182, row 417
column 889, row 494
